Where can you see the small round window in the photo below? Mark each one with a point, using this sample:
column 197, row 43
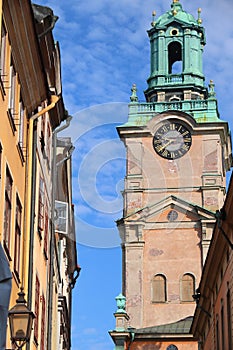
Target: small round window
column 172, row 347
column 174, row 31
column 172, row 215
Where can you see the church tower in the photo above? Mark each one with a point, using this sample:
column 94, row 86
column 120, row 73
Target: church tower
column 178, row 153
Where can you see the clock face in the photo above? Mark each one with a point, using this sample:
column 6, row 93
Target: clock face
column 172, row 140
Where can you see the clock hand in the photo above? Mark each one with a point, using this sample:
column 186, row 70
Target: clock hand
column 167, row 144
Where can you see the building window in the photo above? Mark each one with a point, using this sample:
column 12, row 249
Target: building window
column 18, row 222
column 229, row 320
column 159, row 292
column 3, row 51
column 43, row 318
column 217, row 334
column 46, row 230
column 48, row 141
column 7, row 211
column 12, row 91
column 187, row 287
column 37, row 305
column 222, row 326
column 172, row 347
column 21, row 123
column 41, row 207
column 42, row 136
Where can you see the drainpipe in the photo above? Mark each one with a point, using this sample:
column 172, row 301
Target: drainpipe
column 52, row 239
column 30, row 198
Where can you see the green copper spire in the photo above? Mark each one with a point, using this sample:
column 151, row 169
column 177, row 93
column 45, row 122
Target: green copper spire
column 177, row 40
column 176, row 80
column 178, row 13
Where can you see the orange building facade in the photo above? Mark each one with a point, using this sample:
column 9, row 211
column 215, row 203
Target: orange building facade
column 213, row 319
column 32, row 115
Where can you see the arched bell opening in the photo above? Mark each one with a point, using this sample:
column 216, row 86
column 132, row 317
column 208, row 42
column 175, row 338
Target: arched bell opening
column 175, row 64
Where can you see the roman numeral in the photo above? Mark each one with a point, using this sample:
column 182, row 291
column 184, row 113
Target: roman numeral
column 185, row 147
column 172, row 154
column 159, row 148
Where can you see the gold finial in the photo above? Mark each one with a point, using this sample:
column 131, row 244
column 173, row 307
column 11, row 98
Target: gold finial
column 153, row 19
column 199, row 20
column 175, row 1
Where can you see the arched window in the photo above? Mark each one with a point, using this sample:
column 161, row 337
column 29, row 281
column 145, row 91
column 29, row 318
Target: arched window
column 174, row 58
column 159, row 292
column 187, row 287
column 172, row 347
column 174, row 98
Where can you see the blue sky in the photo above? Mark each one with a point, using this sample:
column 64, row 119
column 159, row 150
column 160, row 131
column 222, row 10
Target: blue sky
column 104, row 50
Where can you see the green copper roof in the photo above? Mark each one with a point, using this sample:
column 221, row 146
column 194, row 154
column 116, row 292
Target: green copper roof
column 180, row 327
column 176, row 13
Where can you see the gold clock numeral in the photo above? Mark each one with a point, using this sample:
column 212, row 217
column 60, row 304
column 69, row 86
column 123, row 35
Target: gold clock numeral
column 165, row 153
column 187, row 139
column 185, row 147
column 185, row 133
column 164, row 128
column 159, row 148
column 180, row 127
column 172, row 154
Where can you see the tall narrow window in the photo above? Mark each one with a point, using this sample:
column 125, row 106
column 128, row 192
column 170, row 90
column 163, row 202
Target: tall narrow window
column 21, row 123
column 159, row 289
column 12, row 91
column 217, row 334
column 48, row 141
column 37, row 307
column 222, row 326
column 187, row 287
column 46, row 229
column 174, row 58
column 229, row 320
column 18, row 221
column 7, row 212
column 3, row 51
column 41, row 207
column 43, row 317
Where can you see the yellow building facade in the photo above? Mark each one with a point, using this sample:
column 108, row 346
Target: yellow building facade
column 32, row 111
